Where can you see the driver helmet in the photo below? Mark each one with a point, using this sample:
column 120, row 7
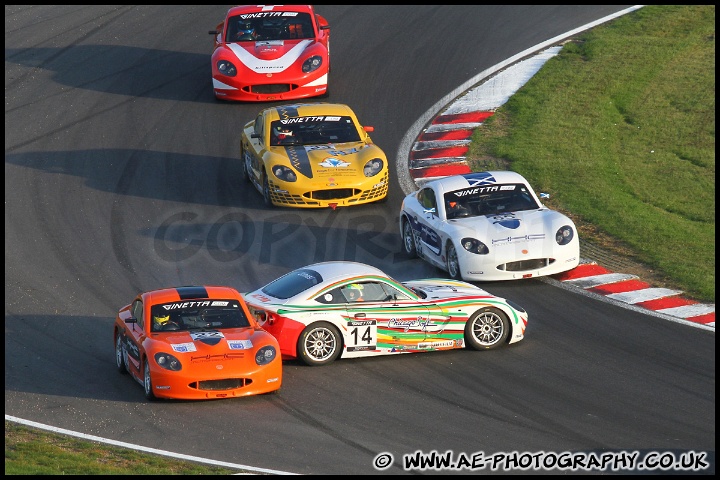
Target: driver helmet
column 162, row 320
column 355, row 291
column 282, row 132
column 245, row 27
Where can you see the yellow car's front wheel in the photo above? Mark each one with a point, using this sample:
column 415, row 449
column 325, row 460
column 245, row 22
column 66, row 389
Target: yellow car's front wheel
column 266, row 191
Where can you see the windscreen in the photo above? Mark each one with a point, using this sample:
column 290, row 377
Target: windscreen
column 489, row 200
column 198, row 314
column 313, row 130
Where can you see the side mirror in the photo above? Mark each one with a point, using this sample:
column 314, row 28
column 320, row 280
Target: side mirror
column 369, row 129
column 213, row 32
column 131, row 320
column 255, row 135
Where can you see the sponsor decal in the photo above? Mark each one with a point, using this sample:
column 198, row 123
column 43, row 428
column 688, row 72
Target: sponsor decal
column 415, row 324
column 262, row 298
column 181, row 305
column 331, row 162
column 268, row 14
column 220, row 303
column 361, row 348
column 210, row 337
column 240, row 344
column 333, row 150
column 184, row 347
column 522, row 238
column 440, row 344
column 476, row 191
column 360, row 323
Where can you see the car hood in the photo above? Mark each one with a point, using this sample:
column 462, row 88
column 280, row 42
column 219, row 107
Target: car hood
column 330, row 161
column 212, row 341
column 270, row 56
column 538, row 224
column 440, row 288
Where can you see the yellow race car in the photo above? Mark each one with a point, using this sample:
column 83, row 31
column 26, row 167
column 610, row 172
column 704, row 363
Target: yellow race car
column 313, row 155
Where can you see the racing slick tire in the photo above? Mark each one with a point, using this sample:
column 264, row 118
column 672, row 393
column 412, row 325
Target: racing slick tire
column 120, row 355
column 319, row 344
column 147, row 382
column 266, row 191
column 408, row 239
column 487, row 328
column 453, row 263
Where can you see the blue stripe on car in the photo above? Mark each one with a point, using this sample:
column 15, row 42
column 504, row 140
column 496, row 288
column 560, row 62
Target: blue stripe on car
column 300, row 160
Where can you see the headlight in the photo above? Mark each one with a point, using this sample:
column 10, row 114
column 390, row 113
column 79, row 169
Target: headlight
column 373, row 167
column 265, row 355
column 284, row 173
column 226, row 68
column 312, row 64
column 564, row 235
column 473, row 245
column 168, row 362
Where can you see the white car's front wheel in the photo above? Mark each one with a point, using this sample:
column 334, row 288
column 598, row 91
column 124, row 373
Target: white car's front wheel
column 452, row 262
column 487, row 329
column 408, row 238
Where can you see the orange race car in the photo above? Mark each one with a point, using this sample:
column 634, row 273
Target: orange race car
column 195, row 343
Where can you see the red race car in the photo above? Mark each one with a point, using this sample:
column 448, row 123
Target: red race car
column 195, row 343
column 271, row 52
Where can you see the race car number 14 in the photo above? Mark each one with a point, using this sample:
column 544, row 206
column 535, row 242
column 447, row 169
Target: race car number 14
column 362, row 335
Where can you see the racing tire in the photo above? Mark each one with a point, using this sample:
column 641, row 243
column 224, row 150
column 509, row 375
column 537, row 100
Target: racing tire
column 487, row 328
column 244, row 167
column 452, row 262
column 120, row 355
column 266, row 191
column 147, row 382
column 408, row 239
column 319, row 344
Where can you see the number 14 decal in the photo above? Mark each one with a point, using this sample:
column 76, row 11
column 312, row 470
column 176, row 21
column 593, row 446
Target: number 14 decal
column 362, row 335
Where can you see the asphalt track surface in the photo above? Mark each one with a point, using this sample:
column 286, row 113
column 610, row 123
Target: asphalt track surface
column 121, row 175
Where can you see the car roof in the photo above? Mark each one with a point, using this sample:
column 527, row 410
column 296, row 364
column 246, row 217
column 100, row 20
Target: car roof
column 336, row 270
column 457, row 182
column 308, row 109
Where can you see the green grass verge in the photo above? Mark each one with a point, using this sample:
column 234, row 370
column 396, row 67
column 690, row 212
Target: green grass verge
column 619, row 128
column 31, row 451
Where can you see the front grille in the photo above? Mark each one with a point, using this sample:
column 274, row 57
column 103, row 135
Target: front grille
column 272, row 88
column 313, row 198
column 224, row 384
column 332, row 194
column 523, row 265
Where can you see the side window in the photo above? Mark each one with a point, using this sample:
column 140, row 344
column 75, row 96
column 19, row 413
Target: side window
column 334, row 296
column 392, row 293
column 365, row 292
column 426, row 197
